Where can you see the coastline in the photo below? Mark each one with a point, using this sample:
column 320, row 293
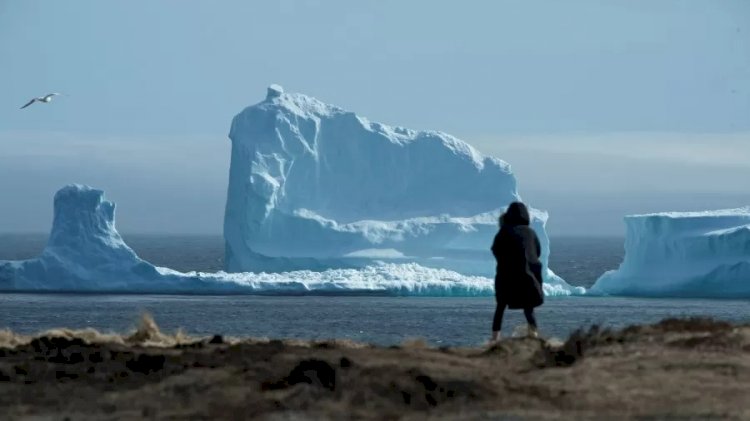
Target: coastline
column 674, row 368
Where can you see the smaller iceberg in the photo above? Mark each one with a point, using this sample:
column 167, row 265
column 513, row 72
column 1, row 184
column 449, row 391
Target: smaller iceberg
column 85, row 253
column 683, row 254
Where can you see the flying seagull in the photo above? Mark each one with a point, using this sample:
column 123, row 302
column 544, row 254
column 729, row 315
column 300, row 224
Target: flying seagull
column 45, row 99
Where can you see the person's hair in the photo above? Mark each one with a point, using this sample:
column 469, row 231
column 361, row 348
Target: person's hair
column 516, row 214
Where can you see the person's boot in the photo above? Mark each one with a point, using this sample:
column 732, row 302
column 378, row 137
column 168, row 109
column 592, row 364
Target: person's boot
column 533, row 332
column 494, row 339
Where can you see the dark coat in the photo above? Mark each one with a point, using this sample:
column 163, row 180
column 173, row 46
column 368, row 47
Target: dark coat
column 518, row 280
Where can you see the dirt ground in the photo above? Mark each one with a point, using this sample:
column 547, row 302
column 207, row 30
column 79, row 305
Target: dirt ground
column 676, row 369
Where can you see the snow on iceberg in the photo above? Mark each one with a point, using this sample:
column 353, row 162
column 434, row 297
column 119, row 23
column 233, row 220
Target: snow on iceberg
column 312, row 186
column 86, row 253
column 683, row 254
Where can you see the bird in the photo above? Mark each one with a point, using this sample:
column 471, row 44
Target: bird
column 47, row 98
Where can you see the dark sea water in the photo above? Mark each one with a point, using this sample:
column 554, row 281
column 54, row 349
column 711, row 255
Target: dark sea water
column 383, row 320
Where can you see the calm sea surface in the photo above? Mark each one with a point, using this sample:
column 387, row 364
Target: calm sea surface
column 382, row 320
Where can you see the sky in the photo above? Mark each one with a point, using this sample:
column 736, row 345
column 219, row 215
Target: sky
column 602, row 108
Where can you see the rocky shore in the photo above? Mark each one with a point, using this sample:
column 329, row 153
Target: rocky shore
column 678, row 368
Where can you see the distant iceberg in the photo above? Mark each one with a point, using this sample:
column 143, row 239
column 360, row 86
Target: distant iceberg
column 683, row 254
column 313, row 186
column 85, row 253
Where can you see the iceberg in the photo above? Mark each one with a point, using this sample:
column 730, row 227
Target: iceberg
column 683, row 254
column 313, row 186
column 85, row 253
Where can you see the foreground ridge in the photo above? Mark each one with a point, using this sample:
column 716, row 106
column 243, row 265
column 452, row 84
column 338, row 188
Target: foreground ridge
column 674, row 368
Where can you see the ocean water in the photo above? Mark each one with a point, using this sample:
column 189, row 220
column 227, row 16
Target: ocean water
column 381, row 320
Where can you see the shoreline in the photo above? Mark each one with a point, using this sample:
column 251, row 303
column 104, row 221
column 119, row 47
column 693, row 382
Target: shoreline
column 675, row 368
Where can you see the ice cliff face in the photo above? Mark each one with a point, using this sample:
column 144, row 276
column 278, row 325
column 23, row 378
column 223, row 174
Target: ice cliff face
column 690, row 254
column 314, row 186
column 86, row 253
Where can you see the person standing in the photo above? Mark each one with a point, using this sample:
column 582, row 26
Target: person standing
column 518, row 276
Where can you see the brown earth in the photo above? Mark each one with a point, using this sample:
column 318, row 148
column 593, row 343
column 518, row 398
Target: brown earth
column 675, row 369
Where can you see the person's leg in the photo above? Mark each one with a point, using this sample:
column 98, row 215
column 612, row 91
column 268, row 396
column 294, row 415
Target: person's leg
column 530, row 317
column 531, row 320
column 497, row 321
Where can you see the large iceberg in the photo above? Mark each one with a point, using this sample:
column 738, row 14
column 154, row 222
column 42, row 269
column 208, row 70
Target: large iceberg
column 687, row 254
column 86, row 253
column 313, row 186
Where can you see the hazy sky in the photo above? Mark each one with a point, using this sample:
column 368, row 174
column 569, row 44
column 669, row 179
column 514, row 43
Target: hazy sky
column 601, row 108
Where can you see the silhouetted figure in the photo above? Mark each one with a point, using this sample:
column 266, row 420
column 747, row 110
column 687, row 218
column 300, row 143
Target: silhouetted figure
column 518, row 280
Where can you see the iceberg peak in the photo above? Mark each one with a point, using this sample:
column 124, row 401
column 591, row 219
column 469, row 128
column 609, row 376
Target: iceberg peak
column 84, row 220
column 295, row 105
column 274, row 91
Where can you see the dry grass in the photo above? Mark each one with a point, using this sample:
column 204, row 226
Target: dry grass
column 678, row 368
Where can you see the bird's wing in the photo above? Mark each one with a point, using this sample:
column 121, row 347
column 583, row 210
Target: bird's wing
column 51, row 95
column 28, row 103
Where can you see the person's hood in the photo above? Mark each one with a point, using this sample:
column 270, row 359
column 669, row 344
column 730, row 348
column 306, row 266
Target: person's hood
column 516, row 214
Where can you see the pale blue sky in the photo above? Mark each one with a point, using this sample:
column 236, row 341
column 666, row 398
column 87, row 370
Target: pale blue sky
column 602, row 108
